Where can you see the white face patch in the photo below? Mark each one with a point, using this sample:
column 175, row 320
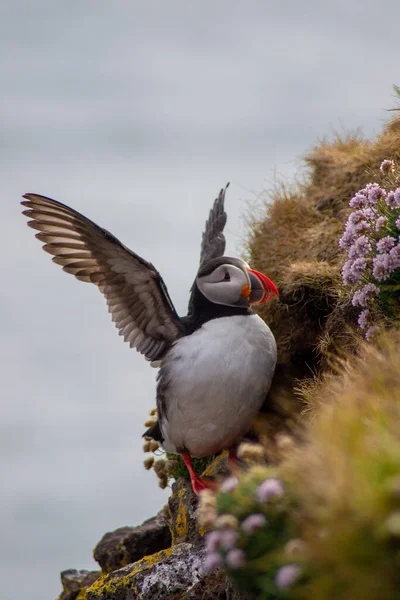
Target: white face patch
column 224, row 285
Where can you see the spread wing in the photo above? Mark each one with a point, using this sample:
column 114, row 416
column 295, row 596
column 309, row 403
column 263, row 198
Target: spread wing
column 213, row 240
column 135, row 292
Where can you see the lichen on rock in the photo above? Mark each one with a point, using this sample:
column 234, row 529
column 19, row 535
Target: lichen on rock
column 160, row 576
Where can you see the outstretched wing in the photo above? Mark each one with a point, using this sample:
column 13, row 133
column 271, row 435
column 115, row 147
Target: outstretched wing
column 135, row 292
column 213, row 240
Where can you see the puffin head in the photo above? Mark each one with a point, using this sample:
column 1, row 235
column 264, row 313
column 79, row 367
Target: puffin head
column 231, row 282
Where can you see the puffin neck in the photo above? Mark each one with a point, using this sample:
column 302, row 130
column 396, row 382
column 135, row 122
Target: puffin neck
column 202, row 310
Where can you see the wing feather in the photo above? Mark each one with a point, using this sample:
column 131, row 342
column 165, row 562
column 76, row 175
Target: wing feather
column 213, row 240
column 135, row 293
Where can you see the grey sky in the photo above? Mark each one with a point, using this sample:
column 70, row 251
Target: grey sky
column 136, row 113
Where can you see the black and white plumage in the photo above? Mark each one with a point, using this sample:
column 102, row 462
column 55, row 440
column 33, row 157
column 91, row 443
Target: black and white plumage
column 216, row 364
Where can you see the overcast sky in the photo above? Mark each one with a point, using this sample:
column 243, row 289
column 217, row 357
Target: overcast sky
column 136, row 113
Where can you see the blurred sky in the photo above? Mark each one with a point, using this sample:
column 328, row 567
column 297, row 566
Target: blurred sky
column 136, row 113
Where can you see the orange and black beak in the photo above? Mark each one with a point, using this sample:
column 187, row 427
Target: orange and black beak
column 262, row 288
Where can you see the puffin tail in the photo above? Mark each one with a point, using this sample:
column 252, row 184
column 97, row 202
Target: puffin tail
column 154, row 432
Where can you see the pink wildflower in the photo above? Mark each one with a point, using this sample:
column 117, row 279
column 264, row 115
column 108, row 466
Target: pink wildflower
column 229, row 485
column 385, row 244
column 228, row 539
column 353, row 270
column 253, row 523
column 387, row 166
column 373, row 330
column 360, row 248
column 356, row 217
column 359, row 200
column 235, row 558
column 347, row 239
column 395, row 257
column 392, row 201
column 382, row 266
column 212, row 561
column 362, row 297
column 374, row 193
column 286, row 576
column 380, row 222
column 269, row 488
column 363, row 318
column 213, row 541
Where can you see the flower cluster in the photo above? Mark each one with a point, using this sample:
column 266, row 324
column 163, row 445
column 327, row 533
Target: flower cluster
column 228, row 544
column 371, row 240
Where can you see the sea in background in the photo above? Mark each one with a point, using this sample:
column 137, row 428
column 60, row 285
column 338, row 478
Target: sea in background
column 136, row 114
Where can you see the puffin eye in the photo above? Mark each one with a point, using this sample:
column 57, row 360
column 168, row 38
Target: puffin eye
column 227, row 277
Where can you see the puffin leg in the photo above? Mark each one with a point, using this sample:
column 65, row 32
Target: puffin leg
column 198, row 484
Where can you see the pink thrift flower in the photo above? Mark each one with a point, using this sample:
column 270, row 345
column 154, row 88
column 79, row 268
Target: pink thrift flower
column 362, row 297
column 387, row 166
column 392, row 201
column 385, row 244
column 253, row 523
column 269, row 488
column 286, row 576
column 395, row 257
column 381, row 267
column 356, row 217
column 228, row 539
column 213, row 541
column 353, row 270
column 347, row 239
column 374, row 193
column 359, row 200
column 380, row 222
column 212, row 561
column 229, row 485
column 397, row 222
column 235, row 558
column 363, row 225
column 363, row 319
column 373, row 330
column 361, row 247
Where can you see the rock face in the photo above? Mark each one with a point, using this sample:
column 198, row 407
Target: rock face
column 162, row 559
column 75, row 583
column 129, row 544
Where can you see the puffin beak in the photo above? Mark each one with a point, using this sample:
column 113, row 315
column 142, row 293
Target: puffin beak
column 262, row 288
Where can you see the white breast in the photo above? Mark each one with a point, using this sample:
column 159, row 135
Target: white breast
column 218, row 379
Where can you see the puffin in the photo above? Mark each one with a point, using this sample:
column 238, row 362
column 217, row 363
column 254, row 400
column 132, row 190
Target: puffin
column 216, row 364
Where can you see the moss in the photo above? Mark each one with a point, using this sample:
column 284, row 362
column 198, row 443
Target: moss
column 180, row 470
